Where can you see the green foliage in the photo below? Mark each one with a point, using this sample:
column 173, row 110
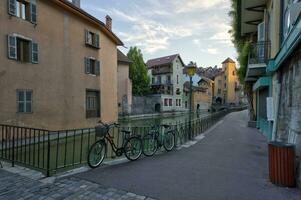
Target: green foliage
column 138, row 72
column 243, row 62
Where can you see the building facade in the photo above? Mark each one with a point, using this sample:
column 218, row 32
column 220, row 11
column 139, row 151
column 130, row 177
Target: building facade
column 58, row 66
column 124, row 84
column 226, row 85
column 166, row 75
column 274, row 67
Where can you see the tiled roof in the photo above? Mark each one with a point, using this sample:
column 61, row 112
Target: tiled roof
column 122, row 58
column 162, row 60
column 228, row 60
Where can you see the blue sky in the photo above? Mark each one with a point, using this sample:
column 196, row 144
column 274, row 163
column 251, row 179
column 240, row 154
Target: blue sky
column 196, row 29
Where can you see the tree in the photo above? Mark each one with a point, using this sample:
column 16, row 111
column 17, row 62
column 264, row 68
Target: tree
column 138, row 72
column 242, row 46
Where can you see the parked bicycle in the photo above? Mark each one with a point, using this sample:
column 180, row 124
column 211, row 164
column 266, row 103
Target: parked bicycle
column 131, row 145
column 155, row 140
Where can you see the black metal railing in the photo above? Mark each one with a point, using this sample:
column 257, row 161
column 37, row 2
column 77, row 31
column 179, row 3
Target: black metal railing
column 54, row 151
column 260, row 52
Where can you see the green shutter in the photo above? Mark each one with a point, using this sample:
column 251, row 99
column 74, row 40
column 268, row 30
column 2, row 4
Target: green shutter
column 34, row 52
column 87, row 66
column 12, row 7
column 33, row 11
column 86, row 36
column 12, row 47
column 97, row 67
column 97, row 40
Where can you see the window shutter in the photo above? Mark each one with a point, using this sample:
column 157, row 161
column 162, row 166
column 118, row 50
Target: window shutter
column 97, row 40
column 34, row 52
column 86, row 37
column 12, row 47
column 97, row 67
column 33, row 11
column 12, row 7
column 87, row 66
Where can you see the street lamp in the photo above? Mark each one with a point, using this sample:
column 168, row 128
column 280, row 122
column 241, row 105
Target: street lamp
column 191, row 70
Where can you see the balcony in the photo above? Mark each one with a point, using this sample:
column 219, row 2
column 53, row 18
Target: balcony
column 162, row 70
column 259, row 56
column 159, row 83
column 162, row 89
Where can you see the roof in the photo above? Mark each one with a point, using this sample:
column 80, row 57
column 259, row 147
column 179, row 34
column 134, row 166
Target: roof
column 203, row 78
column 80, row 12
column 228, row 60
column 194, row 88
column 163, row 61
column 122, row 58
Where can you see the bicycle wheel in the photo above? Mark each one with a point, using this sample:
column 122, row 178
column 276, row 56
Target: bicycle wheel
column 133, row 148
column 150, row 145
column 169, row 141
column 96, row 154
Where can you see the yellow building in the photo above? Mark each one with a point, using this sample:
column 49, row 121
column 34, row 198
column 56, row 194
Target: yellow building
column 58, row 65
column 226, row 84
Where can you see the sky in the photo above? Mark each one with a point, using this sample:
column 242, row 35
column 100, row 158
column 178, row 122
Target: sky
column 196, row 29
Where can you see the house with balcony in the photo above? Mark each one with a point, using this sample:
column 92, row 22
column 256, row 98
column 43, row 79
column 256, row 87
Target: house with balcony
column 274, row 65
column 58, row 65
column 166, row 75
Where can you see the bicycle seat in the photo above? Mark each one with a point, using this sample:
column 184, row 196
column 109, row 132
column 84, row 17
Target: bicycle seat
column 125, row 131
column 165, row 125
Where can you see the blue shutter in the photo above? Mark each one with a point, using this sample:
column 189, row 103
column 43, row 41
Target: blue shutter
column 33, row 11
column 12, row 47
column 97, row 67
column 87, row 66
column 34, row 52
column 12, row 7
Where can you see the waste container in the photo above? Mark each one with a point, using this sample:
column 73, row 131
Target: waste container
column 282, row 168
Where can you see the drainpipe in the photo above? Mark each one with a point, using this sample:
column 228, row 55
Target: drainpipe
column 278, row 93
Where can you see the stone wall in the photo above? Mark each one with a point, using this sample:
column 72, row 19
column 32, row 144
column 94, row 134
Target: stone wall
column 145, row 104
column 289, row 121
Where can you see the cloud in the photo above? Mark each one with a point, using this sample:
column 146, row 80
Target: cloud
column 193, row 5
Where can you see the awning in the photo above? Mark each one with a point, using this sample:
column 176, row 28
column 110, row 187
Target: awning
column 262, row 82
column 250, row 13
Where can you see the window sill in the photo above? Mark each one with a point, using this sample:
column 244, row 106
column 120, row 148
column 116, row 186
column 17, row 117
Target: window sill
column 92, row 46
column 94, row 75
column 21, row 19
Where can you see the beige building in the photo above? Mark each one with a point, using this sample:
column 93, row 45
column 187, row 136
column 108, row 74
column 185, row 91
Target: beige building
column 124, row 84
column 58, row 65
column 226, row 84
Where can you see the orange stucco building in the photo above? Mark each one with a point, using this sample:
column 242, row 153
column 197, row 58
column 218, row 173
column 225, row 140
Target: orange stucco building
column 58, row 66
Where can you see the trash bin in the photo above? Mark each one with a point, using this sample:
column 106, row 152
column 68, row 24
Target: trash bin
column 282, row 164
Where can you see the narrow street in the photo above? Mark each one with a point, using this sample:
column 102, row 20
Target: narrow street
column 229, row 163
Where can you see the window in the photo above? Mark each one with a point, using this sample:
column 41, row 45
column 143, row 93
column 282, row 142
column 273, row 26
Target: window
column 219, row 91
column 179, row 102
column 159, row 79
column 22, row 49
column 225, row 85
column 233, row 73
column 153, row 80
column 177, row 79
column 23, row 9
column 168, row 81
column 92, row 39
column 92, row 66
column 186, row 104
column 170, row 102
column 24, row 101
column 219, row 83
column 165, row 102
column 92, row 104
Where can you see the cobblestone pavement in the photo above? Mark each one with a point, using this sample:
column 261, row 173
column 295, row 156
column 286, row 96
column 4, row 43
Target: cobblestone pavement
column 17, row 187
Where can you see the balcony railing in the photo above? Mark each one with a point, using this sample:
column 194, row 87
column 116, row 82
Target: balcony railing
column 260, row 52
column 162, row 70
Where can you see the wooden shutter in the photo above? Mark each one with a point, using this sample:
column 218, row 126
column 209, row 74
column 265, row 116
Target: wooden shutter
column 87, row 66
column 12, row 47
column 97, row 67
column 97, row 40
column 86, row 36
column 12, row 7
column 34, row 52
column 33, row 11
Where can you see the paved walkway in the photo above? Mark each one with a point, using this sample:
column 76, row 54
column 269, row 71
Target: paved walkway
column 229, row 163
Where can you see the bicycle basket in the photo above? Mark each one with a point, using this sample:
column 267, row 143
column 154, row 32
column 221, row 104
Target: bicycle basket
column 101, row 131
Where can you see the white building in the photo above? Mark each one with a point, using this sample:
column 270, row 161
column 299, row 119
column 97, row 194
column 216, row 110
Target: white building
column 166, row 74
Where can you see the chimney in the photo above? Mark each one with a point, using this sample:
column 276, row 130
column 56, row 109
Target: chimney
column 76, row 3
column 109, row 22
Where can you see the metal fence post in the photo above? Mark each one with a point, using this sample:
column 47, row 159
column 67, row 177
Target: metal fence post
column 13, row 148
column 48, row 156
